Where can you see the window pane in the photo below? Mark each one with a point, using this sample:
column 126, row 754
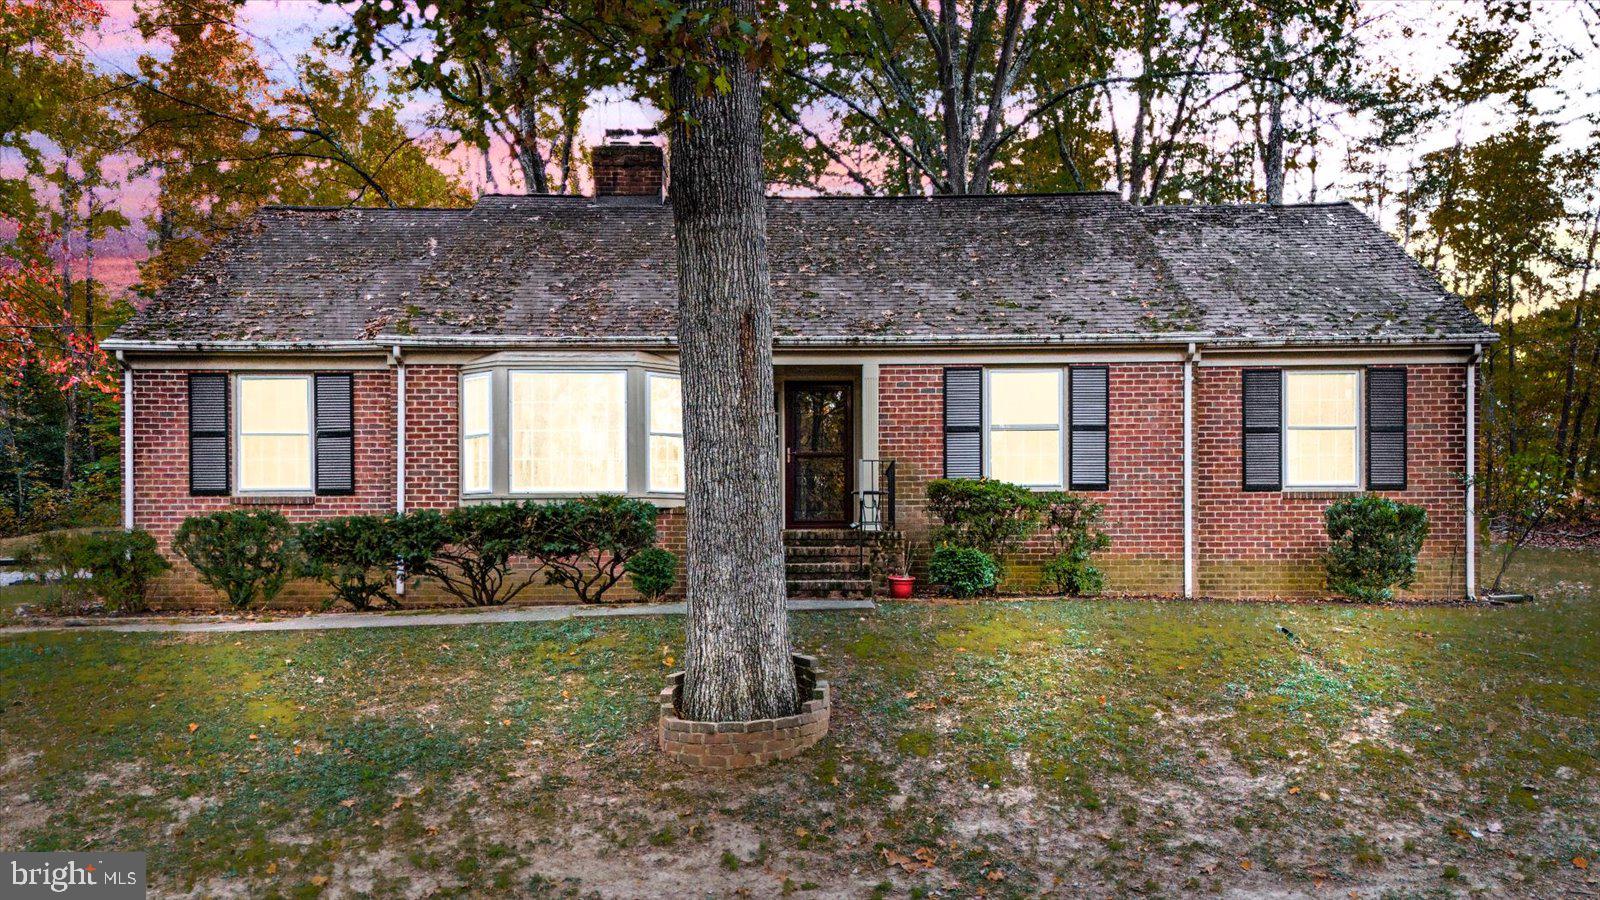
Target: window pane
column 666, row 404
column 475, row 404
column 568, row 431
column 666, row 463
column 275, row 462
column 475, row 464
column 1025, row 457
column 1320, row 398
column 274, row 406
column 1321, row 457
column 1024, row 398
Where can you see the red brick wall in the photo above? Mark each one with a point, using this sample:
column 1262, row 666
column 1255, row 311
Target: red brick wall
column 1144, row 507
column 433, row 474
column 1269, row 543
column 161, row 499
column 161, row 481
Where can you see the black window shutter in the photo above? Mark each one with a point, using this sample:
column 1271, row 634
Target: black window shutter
column 208, row 433
column 335, row 453
column 963, row 423
column 1263, row 429
column 1090, row 400
column 1386, row 429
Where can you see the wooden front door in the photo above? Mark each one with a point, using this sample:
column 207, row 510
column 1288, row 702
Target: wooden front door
column 819, row 446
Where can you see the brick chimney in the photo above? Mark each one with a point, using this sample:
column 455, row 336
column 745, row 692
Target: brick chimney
column 626, row 169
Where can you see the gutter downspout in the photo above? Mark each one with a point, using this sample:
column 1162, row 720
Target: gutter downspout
column 127, row 442
column 1189, row 361
column 1472, row 472
column 399, row 454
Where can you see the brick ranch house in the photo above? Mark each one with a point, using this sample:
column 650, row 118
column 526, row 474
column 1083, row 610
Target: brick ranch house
column 1215, row 374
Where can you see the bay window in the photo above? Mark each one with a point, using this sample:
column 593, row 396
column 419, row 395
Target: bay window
column 569, row 432
column 274, row 430
column 558, row 430
column 1023, row 428
column 477, row 416
column 665, row 433
column 1321, row 425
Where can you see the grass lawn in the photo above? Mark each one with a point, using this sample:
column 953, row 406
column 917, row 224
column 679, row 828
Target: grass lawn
column 1005, row 749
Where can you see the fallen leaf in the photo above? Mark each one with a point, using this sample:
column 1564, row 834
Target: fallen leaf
column 995, row 875
column 1245, row 864
column 255, row 737
column 319, row 880
column 1580, row 862
column 272, row 868
column 1294, row 790
column 348, row 803
column 193, row 727
column 398, row 801
column 506, row 722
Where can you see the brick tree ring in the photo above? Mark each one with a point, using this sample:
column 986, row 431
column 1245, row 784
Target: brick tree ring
column 738, row 745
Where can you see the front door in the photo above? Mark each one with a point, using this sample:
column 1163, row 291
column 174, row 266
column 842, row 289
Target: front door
column 819, row 441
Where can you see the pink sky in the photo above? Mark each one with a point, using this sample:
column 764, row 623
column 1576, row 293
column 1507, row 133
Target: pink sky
column 283, row 29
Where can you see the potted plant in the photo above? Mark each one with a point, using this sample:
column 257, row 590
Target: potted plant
column 901, row 584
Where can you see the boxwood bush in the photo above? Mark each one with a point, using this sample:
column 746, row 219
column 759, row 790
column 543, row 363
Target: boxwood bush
column 585, row 544
column 114, row 567
column 963, row 571
column 248, row 555
column 993, row 516
column 1375, row 542
column 1075, row 524
column 653, row 571
column 356, row 556
column 468, row 550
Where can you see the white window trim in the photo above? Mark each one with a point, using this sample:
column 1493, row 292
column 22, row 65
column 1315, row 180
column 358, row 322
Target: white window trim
column 1060, row 427
column 238, row 435
column 627, row 444
column 488, row 432
column 650, row 432
column 1359, row 427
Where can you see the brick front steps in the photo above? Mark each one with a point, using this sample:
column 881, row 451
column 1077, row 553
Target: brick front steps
column 739, row 745
column 825, row 563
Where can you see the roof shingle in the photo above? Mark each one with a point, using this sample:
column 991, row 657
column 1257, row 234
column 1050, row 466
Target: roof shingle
column 1007, row 269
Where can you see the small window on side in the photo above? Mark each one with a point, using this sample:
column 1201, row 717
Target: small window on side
column 1321, row 424
column 274, row 433
column 665, row 427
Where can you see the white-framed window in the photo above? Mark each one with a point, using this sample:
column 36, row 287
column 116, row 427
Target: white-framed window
column 569, row 431
column 1321, row 429
column 1025, row 442
column 477, row 433
column 664, row 430
column 274, row 433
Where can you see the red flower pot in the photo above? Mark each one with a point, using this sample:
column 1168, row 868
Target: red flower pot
column 900, row 586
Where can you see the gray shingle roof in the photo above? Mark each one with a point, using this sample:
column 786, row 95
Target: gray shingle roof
column 1020, row 269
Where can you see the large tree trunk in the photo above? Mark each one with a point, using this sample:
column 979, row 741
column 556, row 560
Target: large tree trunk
column 737, row 664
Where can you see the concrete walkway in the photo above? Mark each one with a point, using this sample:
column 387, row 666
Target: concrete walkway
column 331, row 621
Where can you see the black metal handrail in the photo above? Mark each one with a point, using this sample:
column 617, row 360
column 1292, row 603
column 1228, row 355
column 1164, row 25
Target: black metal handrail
column 875, row 501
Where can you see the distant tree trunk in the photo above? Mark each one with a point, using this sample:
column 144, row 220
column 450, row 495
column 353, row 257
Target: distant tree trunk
column 737, row 665
column 1569, row 389
column 534, row 179
column 1272, row 157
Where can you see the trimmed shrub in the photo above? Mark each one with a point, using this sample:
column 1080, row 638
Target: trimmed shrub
column 653, row 571
column 585, row 544
column 122, row 564
column 1375, row 545
column 247, row 555
column 355, row 556
column 1075, row 524
column 58, row 561
column 468, row 550
column 992, row 516
column 963, row 571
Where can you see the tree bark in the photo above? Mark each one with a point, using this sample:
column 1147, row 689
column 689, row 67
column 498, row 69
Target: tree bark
column 1569, row 388
column 736, row 665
